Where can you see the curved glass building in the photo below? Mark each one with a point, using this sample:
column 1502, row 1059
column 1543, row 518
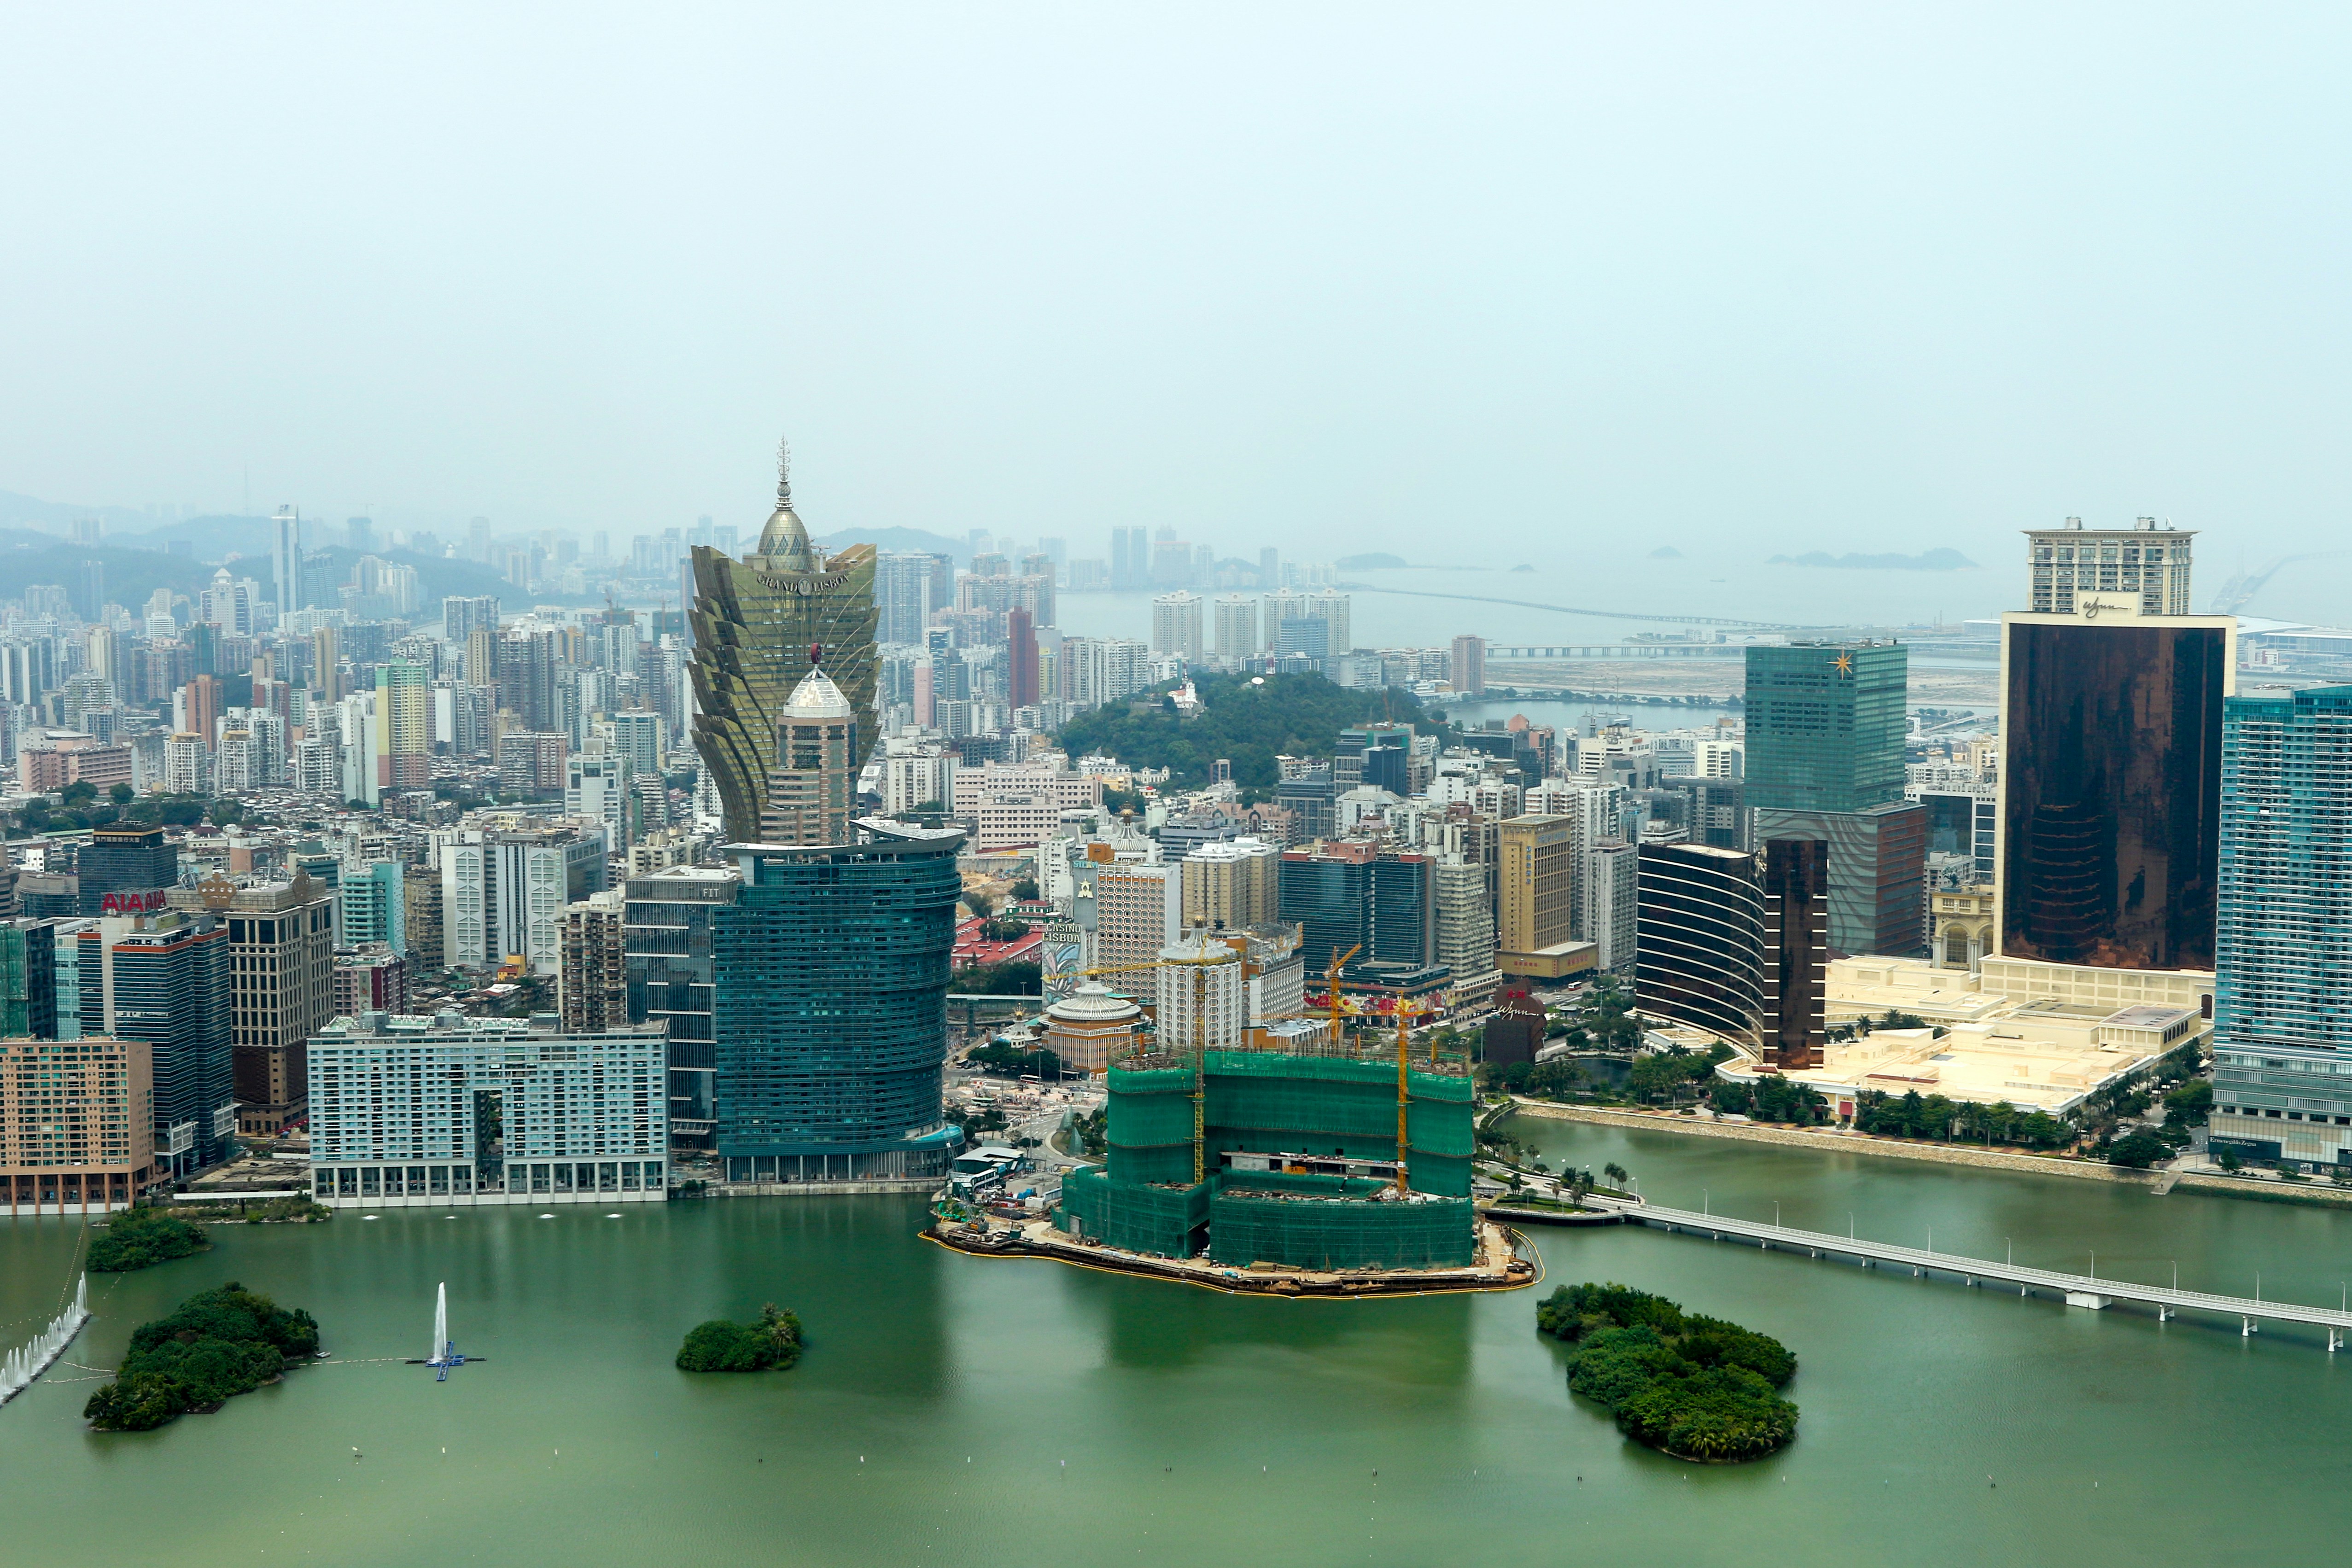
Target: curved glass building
column 1698, row 944
column 829, row 1012
column 759, row 625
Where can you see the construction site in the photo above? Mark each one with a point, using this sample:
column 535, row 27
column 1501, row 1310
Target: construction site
column 1289, row 1150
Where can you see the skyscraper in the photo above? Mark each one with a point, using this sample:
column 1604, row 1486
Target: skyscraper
column 403, row 717
column 593, row 986
column 813, row 787
column 1237, row 632
column 1700, row 948
column 1537, row 897
column 280, row 958
column 759, row 626
column 2110, row 785
column 286, row 560
column 2144, row 564
column 1021, row 658
column 666, row 938
column 1825, row 761
column 166, row 980
column 1130, row 558
column 831, row 1007
column 2282, row 958
column 1796, row 951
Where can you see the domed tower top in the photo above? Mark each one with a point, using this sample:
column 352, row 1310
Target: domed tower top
column 785, row 542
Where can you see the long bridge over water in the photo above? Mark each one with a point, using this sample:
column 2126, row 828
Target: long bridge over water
column 2076, row 1290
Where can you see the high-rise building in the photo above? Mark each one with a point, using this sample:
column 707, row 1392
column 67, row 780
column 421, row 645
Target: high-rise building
column 1131, row 911
column 812, row 788
column 592, row 983
column 375, row 906
column 403, row 717
column 281, row 956
column 1202, row 989
column 759, row 626
column 1331, row 607
column 2143, row 566
column 164, row 982
column 2110, row 784
column 462, row 616
column 667, row 946
column 1796, row 952
column 1176, row 626
column 29, row 979
column 1700, row 948
column 1346, row 895
column 125, row 870
column 1537, row 900
column 1465, row 924
column 600, row 785
column 1021, row 658
column 637, row 735
column 2282, row 957
column 1130, row 558
column 531, row 761
column 1609, row 905
column 907, row 587
column 1825, row 760
column 831, row 1007
column 503, row 892
column 369, row 978
column 77, row 1123
column 1469, row 664
column 286, row 560
column 407, row 1112
column 421, row 897
column 1825, row 726
column 1232, row 884
column 1237, row 632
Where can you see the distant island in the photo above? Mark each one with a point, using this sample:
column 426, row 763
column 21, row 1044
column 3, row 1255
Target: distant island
column 1690, row 1386
column 1665, row 552
column 215, row 1345
column 1929, row 560
column 771, row 1344
column 1373, row 562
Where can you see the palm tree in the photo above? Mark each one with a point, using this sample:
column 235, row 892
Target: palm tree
column 1615, row 1172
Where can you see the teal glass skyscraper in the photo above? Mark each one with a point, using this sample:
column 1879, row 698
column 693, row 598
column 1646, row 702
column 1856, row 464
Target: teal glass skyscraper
column 829, row 1008
column 1825, row 726
column 1824, row 761
column 2283, row 948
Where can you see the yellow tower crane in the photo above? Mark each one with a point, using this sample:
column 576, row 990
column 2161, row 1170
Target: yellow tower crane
column 1200, row 967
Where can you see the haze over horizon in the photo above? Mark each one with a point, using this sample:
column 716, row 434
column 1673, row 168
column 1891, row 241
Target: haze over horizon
column 1489, row 285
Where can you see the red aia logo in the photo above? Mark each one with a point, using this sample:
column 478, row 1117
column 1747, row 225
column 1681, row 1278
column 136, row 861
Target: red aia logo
column 131, row 902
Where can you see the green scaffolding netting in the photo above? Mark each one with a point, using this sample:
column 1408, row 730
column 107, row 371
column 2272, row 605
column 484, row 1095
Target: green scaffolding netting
column 1134, row 1216
column 1247, row 1228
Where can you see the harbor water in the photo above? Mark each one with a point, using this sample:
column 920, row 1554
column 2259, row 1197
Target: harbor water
column 959, row 1410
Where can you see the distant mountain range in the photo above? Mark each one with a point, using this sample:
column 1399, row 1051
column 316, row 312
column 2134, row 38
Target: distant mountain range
column 1928, row 561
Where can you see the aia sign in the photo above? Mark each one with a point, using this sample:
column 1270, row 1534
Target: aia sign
column 131, row 902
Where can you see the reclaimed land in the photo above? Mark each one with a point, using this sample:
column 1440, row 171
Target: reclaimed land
column 2256, row 1190
column 1499, row 1268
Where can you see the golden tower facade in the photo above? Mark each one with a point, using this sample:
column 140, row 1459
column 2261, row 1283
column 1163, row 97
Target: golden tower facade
column 760, row 625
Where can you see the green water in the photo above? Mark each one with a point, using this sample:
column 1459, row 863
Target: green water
column 982, row 1411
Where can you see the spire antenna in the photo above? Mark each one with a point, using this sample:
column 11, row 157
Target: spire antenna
column 784, row 473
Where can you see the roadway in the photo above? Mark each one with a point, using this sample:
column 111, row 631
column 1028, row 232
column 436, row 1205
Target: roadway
column 2078, row 1289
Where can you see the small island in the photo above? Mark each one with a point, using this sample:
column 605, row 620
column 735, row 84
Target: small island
column 141, row 1237
column 1691, row 1387
column 215, row 1346
column 771, row 1345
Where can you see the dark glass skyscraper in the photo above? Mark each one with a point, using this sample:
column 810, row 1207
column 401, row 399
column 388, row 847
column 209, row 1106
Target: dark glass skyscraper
column 166, row 981
column 1698, row 949
column 1344, row 896
column 669, row 936
column 830, row 1008
column 2111, row 788
column 1825, row 751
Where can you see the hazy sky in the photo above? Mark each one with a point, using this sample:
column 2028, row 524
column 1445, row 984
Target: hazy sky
column 1495, row 281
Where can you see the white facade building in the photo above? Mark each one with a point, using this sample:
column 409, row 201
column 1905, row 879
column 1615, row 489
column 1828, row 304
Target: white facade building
column 409, row 1111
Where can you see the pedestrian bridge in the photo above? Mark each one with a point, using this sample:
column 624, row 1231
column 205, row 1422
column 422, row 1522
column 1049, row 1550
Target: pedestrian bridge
column 2076, row 1290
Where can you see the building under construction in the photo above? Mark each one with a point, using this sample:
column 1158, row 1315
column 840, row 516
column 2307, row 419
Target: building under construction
column 1298, row 1152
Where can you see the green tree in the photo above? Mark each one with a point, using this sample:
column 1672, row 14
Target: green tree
column 121, row 794
column 141, row 1237
column 81, row 792
column 215, row 1346
column 2136, row 1151
column 772, row 1342
column 1024, row 889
